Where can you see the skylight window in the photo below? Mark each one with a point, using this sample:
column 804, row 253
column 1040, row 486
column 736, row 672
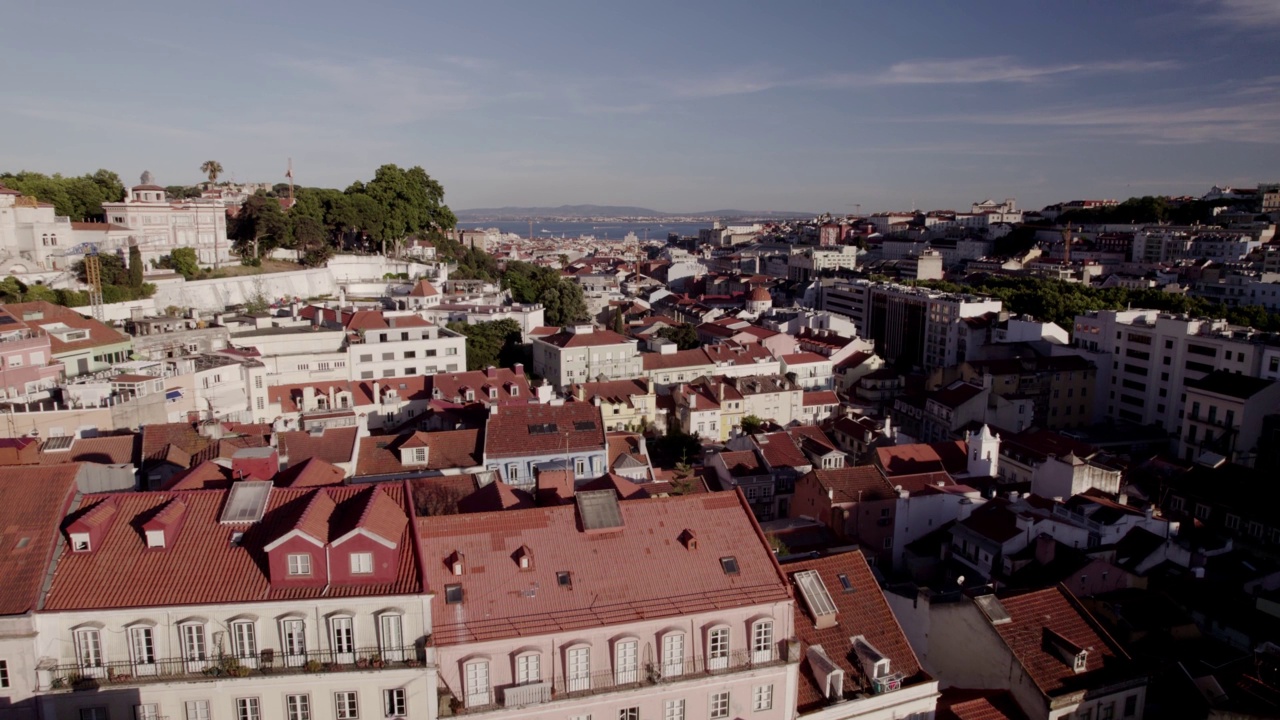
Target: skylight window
column 583, row 425
column 729, row 565
column 844, row 582
column 564, row 579
column 542, row 429
column 452, row 594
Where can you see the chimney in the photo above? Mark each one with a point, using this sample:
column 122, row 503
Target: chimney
column 377, row 392
column 308, row 398
column 1045, row 547
column 491, row 372
column 518, row 368
column 136, row 313
column 332, row 397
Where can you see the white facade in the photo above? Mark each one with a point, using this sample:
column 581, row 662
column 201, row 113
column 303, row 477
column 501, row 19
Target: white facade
column 406, row 352
column 161, row 226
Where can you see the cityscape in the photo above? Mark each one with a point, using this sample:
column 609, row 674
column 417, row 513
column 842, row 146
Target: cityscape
column 987, row 433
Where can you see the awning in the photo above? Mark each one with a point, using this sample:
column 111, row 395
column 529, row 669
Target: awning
column 173, row 395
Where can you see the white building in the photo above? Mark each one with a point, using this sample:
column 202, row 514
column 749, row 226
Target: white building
column 161, row 226
column 579, row 353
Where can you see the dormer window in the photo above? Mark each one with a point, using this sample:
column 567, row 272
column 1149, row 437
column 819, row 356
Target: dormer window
column 361, row 563
column 80, row 542
column 155, row 538
column 299, row 564
column 1082, row 661
column 471, row 395
column 457, row 563
column 515, row 390
column 524, row 558
column 493, row 393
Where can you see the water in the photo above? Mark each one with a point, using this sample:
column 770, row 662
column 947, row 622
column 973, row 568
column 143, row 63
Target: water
column 599, row 230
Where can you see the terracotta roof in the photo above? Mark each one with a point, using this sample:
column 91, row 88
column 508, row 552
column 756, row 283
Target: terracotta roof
column 742, row 463
column 780, row 450
column 156, row 440
column 313, row 472
column 820, row 397
column 603, row 591
column 447, row 450
column 862, row 610
column 759, row 294
column 105, row 450
column 528, row 430
column 803, row 358
column 596, row 337
column 965, row 704
column 695, row 357
column 99, row 334
column 854, row 484
column 378, row 320
column 208, row 475
column 452, row 385
column 618, row 392
column 32, row 503
column 917, row 458
column 335, row 445
column 1055, row 610
column 732, row 353
column 956, row 394
column 202, row 566
column 423, row 289
column 994, row 520
column 625, row 489
column 496, row 495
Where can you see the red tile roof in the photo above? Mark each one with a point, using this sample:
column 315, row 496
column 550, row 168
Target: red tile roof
column 604, row 591
column 814, row 398
column 695, row 357
column 208, row 475
column 202, row 566
column 854, row 484
column 780, row 450
column 447, row 450
column 595, row 338
column 105, row 450
column 731, row 353
column 33, row 501
column 964, row 704
column 378, row 320
column 1054, row 609
column 515, row 430
column 423, row 289
column 313, row 472
column 742, row 463
column 617, row 392
column 335, row 445
column 803, row 358
column 99, row 334
column 496, row 495
column 860, row 611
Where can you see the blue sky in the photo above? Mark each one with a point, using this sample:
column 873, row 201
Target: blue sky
column 671, row 105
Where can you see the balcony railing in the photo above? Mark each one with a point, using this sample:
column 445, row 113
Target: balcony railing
column 267, row 662
column 645, row 675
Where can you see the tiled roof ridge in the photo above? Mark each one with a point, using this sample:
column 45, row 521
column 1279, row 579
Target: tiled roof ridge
column 1092, row 621
column 755, row 525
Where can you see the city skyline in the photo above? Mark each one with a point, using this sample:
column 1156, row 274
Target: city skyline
column 675, row 108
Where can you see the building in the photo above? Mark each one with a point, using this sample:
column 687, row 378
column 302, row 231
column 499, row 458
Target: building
column 1224, row 416
column 1061, row 388
column 579, row 353
column 27, row 368
column 81, row 344
column 542, row 621
column 528, row 316
column 252, row 602
column 161, row 226
column 624, row 404
column 1152, row 354
column 856, row 503
column 1042, row 646
column 384, row 345
column 522, row 440
column 912, row 325
column 857, row 661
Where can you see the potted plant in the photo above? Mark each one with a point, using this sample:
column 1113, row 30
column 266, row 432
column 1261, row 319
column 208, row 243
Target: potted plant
column 412, row 662
column 375, row 660
column 313, row 666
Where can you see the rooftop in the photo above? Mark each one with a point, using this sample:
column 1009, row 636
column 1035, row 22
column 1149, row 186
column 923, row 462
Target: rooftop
column 1221, row 382
column 529, row 430
column 32, row 503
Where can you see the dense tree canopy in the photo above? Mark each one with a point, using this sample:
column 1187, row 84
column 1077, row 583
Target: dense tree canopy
column 684, row 335
column 259, row 227
column 497, row 343
column 562, row 298
column 1148, row 209
column 79, row 198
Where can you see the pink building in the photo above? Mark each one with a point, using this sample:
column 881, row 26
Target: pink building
column 26, row 361
column 666, row 608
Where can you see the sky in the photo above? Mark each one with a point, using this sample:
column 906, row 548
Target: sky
column 678, row 106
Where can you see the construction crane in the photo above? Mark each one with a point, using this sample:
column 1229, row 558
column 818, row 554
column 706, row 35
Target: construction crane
column 92, row 274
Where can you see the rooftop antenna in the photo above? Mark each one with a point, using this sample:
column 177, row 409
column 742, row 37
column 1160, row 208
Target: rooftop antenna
column 289, row 174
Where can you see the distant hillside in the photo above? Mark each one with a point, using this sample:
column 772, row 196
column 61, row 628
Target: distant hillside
column 611, row 211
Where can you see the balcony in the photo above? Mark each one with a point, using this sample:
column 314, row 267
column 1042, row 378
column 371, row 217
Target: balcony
column 645, row 676
column 74, row 677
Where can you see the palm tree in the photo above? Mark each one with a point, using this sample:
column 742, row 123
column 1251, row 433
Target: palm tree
column 213, row 169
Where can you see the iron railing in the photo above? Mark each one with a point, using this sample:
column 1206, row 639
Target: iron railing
column 267, row 662
column 642, row 675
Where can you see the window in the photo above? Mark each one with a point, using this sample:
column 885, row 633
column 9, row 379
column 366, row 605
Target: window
column 729, row 565
column 142, row 648
column 762, row 698
column 88, row 648
column 1202, row 511
column 672, row 654
column 346, row 707
column 391, row 636
column 361, row 563
column 146, row 711
column 1107, row 712
column 299, row 564
column 1233, row 522
column 629, row 713
column 297, row 707
column 1131, row 706
column 718, row 648
column 293, row 640
column 193, row 645
column 395, row 703
column 244, row 640
column 579, row 670
column 528, row 668
column 626, row 661
column 673, row 710
column 248, row 709
column 93, row 713
column 4, row 673
column 344, row 640
column 762, row 641
column 477, row 683
column 719, row 705
column 452, row 594
column 197, row 709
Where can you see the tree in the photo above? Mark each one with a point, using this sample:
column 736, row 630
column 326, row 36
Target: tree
column 411, row 202
column 135, row 266
column 619, row 323
column 79, row 198
column 184, row 262
column 751, row 425
column 260, row 225
column 212, row 169
column 684, row 335
column 491, row 343
column 311, row 240
column 561, row 298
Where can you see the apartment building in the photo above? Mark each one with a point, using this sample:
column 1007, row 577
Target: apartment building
column 529, row 316
column 1061, row 387
column 1152, row 355
column 624, row 404
column 250, row 603
column 384, row 345
column 578, row 353
column 83, row 345
column 523, row 440
column 542, row 621
column 1224, row 416
column 909, row 324
column 27, row 368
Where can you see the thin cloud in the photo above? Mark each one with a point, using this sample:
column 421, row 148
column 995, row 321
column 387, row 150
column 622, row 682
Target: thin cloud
column 1003, row 69
column 1245, row 14
column 387, row 92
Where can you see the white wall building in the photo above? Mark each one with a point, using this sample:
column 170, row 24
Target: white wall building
column 161, row 226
